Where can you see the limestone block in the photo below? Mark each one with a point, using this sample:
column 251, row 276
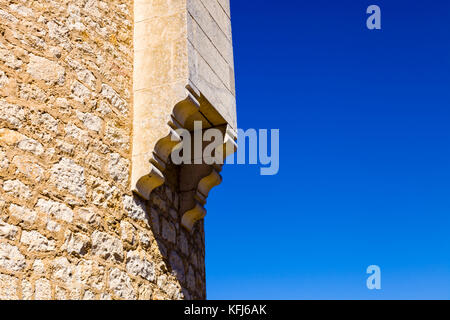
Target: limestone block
column 80, row 93
column 135, row 208
column 128, row 232
column 168, row 231
column 38, row 266
column 8, row 285
column 4, row 80
column 90, row 273
column 107, row 246
column 76, row 243
column 103, row 191
column 114, row 98
column 53, row 226
column 22, row 213
column 12, row 114
column 92, row 122
column 17, row 189
column 28, row 166
column 8, row 58
column 10, row 258
column 177, row 266
column 27, row 290
column 145, row 292
column 43, row 290
column 4, row 162
column 36, row 241
column 120, row 283
column 15, row 138
column 57, row 210
column 89, row 295
column 62, row 270
column 118, row 168
column 138, row 265
column 8, row 231
column 69, row 176
column 43, row 69
column 220, row 11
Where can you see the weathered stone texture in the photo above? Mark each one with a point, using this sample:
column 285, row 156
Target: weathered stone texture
column 44, row 69
column 8, row 231
column 36, row 241
column 8, row 287
column 121, row 285
column 68, row 176
column 69, row 226
column 107, row 246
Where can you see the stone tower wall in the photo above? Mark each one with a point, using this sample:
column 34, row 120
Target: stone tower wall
column 70, row 227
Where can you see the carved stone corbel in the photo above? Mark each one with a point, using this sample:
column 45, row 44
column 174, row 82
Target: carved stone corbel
column 182, row 113
column 202, row 178
column 198, row 212
column 196, row 180
column 183, row 72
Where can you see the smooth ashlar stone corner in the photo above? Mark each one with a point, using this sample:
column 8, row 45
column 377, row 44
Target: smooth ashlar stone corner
column 181, row 75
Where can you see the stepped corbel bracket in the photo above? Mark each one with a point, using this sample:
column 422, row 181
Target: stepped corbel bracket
column 198, row 212
column 206, row 182
column 182, row 112
column 196, row 180
column 180, row 77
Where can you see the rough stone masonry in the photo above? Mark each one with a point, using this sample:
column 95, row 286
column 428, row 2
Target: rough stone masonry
column 90, row 206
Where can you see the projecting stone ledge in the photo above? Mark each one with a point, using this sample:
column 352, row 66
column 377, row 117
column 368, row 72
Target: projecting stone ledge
column 183, row 73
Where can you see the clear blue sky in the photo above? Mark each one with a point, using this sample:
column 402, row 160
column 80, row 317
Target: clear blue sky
column 364, row 119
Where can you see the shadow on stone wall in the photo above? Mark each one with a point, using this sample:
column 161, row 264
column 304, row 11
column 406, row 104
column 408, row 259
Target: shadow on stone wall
column 182, row 252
